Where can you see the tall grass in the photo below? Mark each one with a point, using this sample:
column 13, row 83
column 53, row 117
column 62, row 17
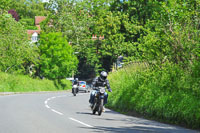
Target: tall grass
column 21, row 83
column 169, row 93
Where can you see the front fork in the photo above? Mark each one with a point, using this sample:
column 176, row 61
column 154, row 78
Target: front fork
column 74, row 90
column 100, row 99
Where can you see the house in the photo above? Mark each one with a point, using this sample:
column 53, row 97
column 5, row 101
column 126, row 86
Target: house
column 33, row 34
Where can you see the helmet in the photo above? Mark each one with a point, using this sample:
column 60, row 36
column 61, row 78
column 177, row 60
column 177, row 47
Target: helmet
column 103, row 76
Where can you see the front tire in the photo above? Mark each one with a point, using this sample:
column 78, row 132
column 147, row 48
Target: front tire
column 100, row 108
column 94, row 108
column 74, row 92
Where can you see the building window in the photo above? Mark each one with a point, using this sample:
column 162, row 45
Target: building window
column 34, row 37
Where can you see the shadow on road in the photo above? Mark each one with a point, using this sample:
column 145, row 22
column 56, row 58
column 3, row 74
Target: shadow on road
column 86, row 113
column 136, row 129
column 130, row 124
column 133, row 124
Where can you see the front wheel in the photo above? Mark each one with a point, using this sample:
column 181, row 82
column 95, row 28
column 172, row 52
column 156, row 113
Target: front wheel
column 94, row 108
column 74, row 91
column 100, row 107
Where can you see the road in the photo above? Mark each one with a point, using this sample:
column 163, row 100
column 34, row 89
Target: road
column 61, row 112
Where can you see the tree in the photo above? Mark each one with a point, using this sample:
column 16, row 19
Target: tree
column 14, row 14
column 173, row 33
column 4, row 6
column 29, row 8
column 15, row 48
column 113, row 45
column 57, row 59
column 74, row 21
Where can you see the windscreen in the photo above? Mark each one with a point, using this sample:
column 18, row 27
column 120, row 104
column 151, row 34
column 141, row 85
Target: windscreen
column 82, row 83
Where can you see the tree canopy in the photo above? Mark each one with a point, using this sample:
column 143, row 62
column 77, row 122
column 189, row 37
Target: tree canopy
column 15, row 49
column 101, row 30
column 57, row 59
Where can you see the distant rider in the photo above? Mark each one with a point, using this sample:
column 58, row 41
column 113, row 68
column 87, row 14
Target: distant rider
column 76, row 82
column 100, row 81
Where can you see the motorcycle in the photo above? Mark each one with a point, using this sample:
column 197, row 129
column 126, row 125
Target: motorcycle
column 75, row 89
column 98, row 101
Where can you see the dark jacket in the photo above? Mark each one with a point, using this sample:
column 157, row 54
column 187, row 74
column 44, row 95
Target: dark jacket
column 98, row 82
column 76, row 83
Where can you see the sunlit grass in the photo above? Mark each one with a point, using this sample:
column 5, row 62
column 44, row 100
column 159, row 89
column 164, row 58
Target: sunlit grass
column 21, row 83
column 168, row 93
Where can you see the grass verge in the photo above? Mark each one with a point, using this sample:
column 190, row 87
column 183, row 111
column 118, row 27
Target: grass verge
column 21, row 83
column 168, row 94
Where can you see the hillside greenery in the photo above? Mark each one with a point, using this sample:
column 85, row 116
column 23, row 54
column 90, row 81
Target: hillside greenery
column 168, row 94
column 22, row 83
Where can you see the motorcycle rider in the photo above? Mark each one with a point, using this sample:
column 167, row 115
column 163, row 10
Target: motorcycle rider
column 76, row 82
column 100, row 81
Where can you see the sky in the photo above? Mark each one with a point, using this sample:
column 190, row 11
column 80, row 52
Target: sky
column 45, row 0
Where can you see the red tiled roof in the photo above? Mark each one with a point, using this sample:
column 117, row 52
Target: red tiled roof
column 30, row 32
column 39, row 19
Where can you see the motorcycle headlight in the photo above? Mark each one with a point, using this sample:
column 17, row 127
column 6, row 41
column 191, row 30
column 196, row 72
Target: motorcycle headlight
column 102, row 90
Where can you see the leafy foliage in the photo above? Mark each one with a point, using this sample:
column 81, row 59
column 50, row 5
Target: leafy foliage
column 57, row 60
column 173, row 35
column 164, row 35
column 14, row 14
column 15, row 50
column 4, row 6
column 74, row 22
column 168, row 94
column 28, row 8
column 79, row 21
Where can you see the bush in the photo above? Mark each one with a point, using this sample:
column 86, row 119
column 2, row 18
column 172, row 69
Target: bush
column 27, row 21
column 31, row 28
column 166, row 93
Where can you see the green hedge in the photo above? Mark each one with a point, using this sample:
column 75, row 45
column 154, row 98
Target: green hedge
column 31, row 28
column 21, row 83
column 166, row 93
column 27, row 21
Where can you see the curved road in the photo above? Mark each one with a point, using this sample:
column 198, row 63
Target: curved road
column 63, row 113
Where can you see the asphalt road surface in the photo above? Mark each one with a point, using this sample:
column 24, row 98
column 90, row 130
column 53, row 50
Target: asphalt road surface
column 64, row 113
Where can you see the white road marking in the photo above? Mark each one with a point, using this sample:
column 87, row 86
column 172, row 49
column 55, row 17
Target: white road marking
column 57, row 112
column 47, row 106
column 80, row 122
column 48, row 99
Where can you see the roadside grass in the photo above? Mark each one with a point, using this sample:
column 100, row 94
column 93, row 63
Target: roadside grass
column 168, row 94
column 22, row 83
